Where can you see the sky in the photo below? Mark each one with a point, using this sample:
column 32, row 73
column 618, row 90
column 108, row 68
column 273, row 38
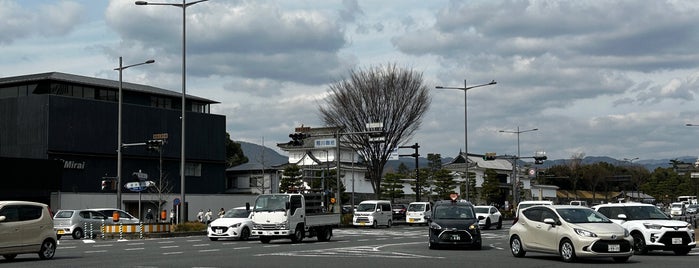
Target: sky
column 597, row 78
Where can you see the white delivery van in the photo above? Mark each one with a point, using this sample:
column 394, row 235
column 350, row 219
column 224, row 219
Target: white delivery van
column 373, row 213
column 417, row 211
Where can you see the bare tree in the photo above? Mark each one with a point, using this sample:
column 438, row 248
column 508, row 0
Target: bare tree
column 394, row 96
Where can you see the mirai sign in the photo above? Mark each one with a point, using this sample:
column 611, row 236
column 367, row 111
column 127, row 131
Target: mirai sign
column 324, row 143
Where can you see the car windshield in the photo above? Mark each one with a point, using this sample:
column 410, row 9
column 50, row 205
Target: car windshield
column 416, row 207
column 271, row 203
column 237, row 213
column 482, row 209
column 454, row 212
column 644, row 213
column 576, row 215
column 366, row 207
column 64, row 214
column 676, row 205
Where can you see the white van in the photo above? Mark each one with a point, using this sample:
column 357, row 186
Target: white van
column 417, row 211
column 373, row 213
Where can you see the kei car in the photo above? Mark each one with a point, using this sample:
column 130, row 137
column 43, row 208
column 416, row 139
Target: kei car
column 236, row 223
column 571, row 232
column 26, row 227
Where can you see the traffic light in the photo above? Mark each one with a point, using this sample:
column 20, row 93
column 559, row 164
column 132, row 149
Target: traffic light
column 154, row 145
column 489, row 156
column 539, row 158
column 297, row 138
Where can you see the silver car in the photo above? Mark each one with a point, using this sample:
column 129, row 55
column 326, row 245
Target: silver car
column 124, row 217
column 78, row 223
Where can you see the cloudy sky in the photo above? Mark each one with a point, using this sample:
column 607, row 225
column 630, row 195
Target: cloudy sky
column 601, row 78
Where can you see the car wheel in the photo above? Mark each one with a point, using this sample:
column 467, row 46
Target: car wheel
column 244, row 233
column 621, row 259
column 9, row 257
column 388, row 225
column 265, row 239
column 213, row 238
column 324, row 234
column 682, row 251
column 567, row 250
column 639, row 244
column 487, row 224
column 78, row 233
column 499, row 224
column 432, row 245
column 478, row 246
column 48, row 249
column 516, row 247
column 297, row 237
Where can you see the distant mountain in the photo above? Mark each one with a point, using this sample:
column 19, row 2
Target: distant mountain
column 258, row 154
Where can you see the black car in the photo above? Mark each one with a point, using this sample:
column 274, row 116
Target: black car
column 454, row 223
column 399, row 211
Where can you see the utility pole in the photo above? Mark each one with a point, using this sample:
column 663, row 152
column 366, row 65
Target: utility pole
column 418, row 187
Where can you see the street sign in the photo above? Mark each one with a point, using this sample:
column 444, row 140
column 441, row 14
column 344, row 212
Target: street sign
column 176, row 202
column 140, row 175
column 139, row 186
column 160, row 136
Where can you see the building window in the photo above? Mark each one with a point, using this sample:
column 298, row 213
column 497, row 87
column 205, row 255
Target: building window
column 105, row 94
column 192, row 169
column 199, row 107
column 257, row 181
column 161, row 102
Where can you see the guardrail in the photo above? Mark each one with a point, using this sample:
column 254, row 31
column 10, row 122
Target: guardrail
column 120, row 229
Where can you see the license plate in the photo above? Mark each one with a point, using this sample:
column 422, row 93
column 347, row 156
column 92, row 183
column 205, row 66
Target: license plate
column 361, row 223
column 677, row 240
column 455, row 237
column 61, row 232
column 219, row 231
column 411, row 220
column 613, row 248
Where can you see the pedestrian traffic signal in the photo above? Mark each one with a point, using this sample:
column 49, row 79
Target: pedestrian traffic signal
column 489, row 156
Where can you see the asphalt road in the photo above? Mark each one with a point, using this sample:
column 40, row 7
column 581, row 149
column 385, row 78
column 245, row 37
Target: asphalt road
column 399, row 246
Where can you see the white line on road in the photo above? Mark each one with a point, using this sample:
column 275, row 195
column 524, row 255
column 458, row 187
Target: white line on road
column 134, row 248
column 209, row 250
column 95, row 251
column 172, row 253
column 170, row 247
column 100, row 246
column 200, row 245
column 242, row 248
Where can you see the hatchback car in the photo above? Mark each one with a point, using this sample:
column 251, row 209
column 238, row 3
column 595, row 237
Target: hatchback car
column 78, row 223
column 454, row 223
column 26, row 227
column 491, row 215
column 234, row 224
column 651, row 228
column 569, row 231
column 124, row 217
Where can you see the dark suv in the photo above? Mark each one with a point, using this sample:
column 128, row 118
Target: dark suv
column 454, row 223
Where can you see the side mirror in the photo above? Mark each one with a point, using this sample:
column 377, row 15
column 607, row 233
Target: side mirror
column 378, row 210
column 428, row 218
column 550, row 221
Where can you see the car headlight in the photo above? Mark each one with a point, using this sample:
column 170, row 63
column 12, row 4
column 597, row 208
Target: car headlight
column 652, row 226
column 435, row 226
column 473, row 227
column 626, row 232
column 586, row 233
column 235, row 225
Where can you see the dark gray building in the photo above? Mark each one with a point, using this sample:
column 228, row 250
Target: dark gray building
column 73, row 119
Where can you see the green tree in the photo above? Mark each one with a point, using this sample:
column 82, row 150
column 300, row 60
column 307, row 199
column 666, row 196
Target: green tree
column 393, row 186
column 291, row 179
column 490, row 189
column 234, row 153
column 394, row 96
column 444, row 184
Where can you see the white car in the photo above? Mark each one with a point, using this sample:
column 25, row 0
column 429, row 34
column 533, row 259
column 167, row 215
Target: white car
column 491, row 216
column 236, row 223
column 26, row 227
column 417, row 211
column 650, row 227
column 569, row 231
column 677, row 209
column 525, row 204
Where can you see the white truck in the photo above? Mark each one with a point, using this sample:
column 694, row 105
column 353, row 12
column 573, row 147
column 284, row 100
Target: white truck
column 292, row 216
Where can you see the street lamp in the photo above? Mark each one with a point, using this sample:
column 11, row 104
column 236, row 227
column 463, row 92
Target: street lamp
column 184, row 51
column 466, row 88
column 119, row 138
column 515, row 188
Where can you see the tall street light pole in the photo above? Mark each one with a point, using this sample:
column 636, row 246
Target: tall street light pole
column 693, row 175
column 466, row 88
column 119, row 136
column 184, row 6
column 515, row 188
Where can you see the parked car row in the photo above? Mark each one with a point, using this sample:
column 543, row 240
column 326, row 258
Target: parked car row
column 81, row 222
